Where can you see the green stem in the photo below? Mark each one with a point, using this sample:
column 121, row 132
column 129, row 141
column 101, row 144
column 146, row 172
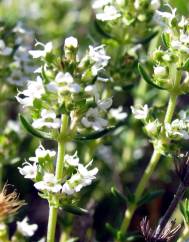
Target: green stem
column 59, row 175
column 185, row 234
column 149, row 170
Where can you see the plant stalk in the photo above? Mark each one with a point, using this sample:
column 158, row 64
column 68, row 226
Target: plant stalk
column 53, row 211
column 149, row 170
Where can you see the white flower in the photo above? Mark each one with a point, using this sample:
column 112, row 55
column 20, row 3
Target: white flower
column 3, row 49
column 71, row 42
column 117, row 113
column 79, row 180
column 72, row 160
column 49, row 183
column 48, row 119
column 140, row 112
column 98, row 57
column 105, row 104
column 160, row 71
column 28, row 171
column 110, row 13
column 34, row 90
column 66, row 83
column 26, row 229
column 93, row 120
column 155, row 4
column 100, row 3
column 41, row 53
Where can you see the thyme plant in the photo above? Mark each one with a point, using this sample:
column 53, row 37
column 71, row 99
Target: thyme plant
column 97, row 100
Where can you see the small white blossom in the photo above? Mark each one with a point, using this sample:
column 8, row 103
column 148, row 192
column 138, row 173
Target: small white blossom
column 49, row 183
column 28, row 170
column 160, row 71
column 109, row 13
column 140, row 112
column 117, row 113
column 3, row 49
column 41, row 152
column 48, row 119
column 93, row 120
column 71, row 42
column 72, row 160
column 47, row 48
column 26, row 229
column 98, row 57
column 66, row 83
column 34, row 90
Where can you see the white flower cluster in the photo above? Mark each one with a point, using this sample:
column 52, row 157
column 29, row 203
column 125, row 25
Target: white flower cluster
column 22, row 66
column 109, row 10
column 80, row 178
column 66, row 89
column 178, row 129
column 179, row 41
column 29, row 170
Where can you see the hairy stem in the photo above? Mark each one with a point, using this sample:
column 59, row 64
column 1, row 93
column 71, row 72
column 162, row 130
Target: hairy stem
column 149, row 170
column 59, row 175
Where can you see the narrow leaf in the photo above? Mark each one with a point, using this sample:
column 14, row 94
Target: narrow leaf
column 99, row 134
column 75, row 210
column 119, row 195
column 147, row 39
column 33, row 131
column 146, row 77
column 186, row 65
column 101, row 31
column 166, row 39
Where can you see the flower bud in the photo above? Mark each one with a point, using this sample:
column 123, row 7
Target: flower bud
column 160, row 71
column 70, row 48
column 153, row 128
column 71, row 42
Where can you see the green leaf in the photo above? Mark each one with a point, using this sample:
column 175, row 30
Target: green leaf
column 75, row 210
column 147, row 39
column 32, row 131
column 119, row 195
column 99, row 134
column 146, row 77
column 185, row 67
column 166, row 39
column 149, row 197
